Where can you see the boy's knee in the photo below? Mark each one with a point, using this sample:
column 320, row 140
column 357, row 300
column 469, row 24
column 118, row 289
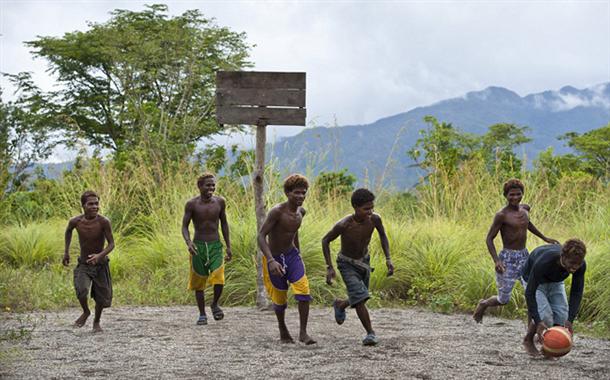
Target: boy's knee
column 503, row 299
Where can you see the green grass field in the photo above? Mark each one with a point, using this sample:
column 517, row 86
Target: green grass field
column 437, row 241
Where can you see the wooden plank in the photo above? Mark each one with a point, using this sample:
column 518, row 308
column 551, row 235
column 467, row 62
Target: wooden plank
column 260, row 79
column 254, row 115
column 260, row 97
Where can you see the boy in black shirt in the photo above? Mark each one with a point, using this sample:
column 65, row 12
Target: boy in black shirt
column 545, row 270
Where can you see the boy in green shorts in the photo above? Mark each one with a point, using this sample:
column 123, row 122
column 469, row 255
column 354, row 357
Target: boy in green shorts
column 207, row 261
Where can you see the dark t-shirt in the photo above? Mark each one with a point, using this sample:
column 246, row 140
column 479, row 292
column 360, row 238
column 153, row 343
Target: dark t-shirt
column 542, row 267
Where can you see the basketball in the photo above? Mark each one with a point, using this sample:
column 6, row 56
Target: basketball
column 557, row 341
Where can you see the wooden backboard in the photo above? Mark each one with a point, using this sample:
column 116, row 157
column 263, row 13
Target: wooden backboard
column 256, row 97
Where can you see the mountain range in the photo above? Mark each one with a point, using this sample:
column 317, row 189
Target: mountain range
column 377, row 151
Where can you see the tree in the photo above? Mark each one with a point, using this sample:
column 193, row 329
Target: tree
column 335, row 183
column 25, row 133
column 142, row 79
column 594, row 149
column 498, row 145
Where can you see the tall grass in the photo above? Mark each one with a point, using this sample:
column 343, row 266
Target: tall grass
column 437, row 239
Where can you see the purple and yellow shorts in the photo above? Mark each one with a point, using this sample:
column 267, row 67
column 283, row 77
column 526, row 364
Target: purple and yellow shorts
column 277, row 286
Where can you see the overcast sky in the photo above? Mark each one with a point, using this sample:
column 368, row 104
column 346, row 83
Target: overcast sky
column 368, row 60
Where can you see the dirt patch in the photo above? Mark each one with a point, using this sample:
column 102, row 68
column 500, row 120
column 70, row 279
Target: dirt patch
column 164, row 342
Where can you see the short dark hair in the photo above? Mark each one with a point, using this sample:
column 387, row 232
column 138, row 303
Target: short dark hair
column 513, row 183
column 574, row 248
column 88, row 194
column 203, row 177
column 362, row 196
column 295, row 181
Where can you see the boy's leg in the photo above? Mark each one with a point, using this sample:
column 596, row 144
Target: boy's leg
column 200, row 297
column 363, row 315
column 303, row 317
column 558, row 302
column 528, row 340
column 280, row 313
column 82, row 284
column 80, row 322
column 217, row 293
column 98, row 316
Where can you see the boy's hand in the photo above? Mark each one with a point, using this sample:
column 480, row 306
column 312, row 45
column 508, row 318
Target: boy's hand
column 540, row 329
column 229, row 254
column 330, row 275
column 552, row 241
column 568, row 325
column 276, row 269
column 388, row 262
column 500, row 267
column 192, row 249
column 66, row 260
column 94, row 259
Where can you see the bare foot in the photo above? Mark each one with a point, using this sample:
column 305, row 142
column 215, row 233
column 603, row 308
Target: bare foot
column 285, row 337
column 530, row 347
column 480, row 310
column 96, row 327
column 80, row 322
column 306, row 339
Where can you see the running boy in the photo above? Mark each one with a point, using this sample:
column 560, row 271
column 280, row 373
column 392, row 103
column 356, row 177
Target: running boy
column 512, row 222
column 353, row 260
column 92, row 270
column 207, row 264
column 282, row 262
column 547, row 305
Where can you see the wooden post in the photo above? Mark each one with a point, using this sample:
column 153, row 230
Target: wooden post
column 259, row 207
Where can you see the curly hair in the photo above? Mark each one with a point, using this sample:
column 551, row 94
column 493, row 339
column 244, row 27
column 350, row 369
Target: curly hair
column 362, row 196
column 88, row 194
column 513, row 183
column 295, row 181
column 203, row 177
column 574, row 248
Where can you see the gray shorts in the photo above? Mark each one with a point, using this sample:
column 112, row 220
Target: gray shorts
column 356, row 279
column 96, row 277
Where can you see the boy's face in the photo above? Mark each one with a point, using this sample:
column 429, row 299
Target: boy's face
column 364, row 211
column 91, row 206
column 571, row 264
column 297, row 196
column 208, row 187
column 514, row 196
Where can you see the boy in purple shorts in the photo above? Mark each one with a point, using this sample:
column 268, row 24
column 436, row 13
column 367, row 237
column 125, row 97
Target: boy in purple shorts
column 282, row 262
column 513, row 223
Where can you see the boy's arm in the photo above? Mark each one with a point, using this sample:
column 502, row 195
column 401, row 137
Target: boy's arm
column 96, row 258
column 330, row 236
column 224, row 225
column 491, row 235
column 385, row 244
column 576, row 291
column 67, row 241
column 534, row 230
column 295, row 240
column 186, row 220
column 270, row 221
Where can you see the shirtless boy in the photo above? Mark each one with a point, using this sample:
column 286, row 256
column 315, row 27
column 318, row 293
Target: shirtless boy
column 512, row 222
column 92, row 270
column 207, row 265
column 282, row 262
column 353, row 260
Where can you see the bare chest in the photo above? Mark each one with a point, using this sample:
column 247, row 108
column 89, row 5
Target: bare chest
column 290, row 222
column 90, row 229
column 206, row 212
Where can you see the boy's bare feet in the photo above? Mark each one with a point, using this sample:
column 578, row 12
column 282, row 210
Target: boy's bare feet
column 285, row 336
column 530, row 347
column 306, row 339
column 80, row 322
column 96, row 327
column 480, row 310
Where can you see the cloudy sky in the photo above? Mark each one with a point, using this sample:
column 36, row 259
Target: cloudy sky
column 366, row 60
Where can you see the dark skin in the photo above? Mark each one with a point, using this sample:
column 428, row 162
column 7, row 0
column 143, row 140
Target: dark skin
column 512, row 222
column 279, row 234
column 570, row 264
column 93, row 231
column 206, row 211
column 356, row 231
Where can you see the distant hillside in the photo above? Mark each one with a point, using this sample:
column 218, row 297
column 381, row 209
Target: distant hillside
column 379, row 149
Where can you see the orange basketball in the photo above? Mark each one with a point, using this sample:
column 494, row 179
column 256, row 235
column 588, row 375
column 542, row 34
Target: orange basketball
column 557, row 341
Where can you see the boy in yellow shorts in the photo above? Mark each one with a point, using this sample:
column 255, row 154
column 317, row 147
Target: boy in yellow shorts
column 207, row 261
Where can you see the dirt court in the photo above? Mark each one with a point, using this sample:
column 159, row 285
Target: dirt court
column 164, row 342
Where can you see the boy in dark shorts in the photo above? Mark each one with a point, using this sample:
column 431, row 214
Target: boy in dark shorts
column 282, row 262
column 353, row 260
column 92, row 270
column 545, row 270
column 207, row 265
column 512, row 222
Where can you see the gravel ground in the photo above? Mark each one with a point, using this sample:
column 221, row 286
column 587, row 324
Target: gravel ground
column 163, row 342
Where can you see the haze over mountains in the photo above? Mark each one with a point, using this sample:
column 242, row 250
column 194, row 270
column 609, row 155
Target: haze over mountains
column 377, row 151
